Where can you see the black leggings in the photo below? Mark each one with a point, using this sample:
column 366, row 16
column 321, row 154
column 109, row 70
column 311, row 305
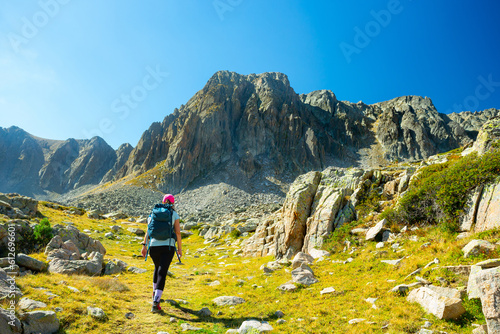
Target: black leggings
column 162, row 257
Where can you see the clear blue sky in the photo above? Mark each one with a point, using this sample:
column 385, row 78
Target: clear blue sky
column 74, row 68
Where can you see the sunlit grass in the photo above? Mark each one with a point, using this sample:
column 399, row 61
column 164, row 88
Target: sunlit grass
column 306, row 310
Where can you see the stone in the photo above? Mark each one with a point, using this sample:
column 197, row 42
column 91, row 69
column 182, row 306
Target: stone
column 318, row 253
column 459, row 270
column 488, row 135
column 483, row 329
column 136, row 270
column 300, row 258
column 304, row 275
column 392, row 262
column 44, row 322
column 30, row 263
column 214, row 283
column 356, row 321
column 96, row 313
column 251, row 326
column 109, row 235
column 490, row 263
column 9, row 323
column 475, row 247
column 228, row 301
column 376, row 230
column 91, row 267
column 468, row 218
column 401, row 289
column 188, row 327
column 30, row 305
column 205, row 312
column 438, row 302
column 288, row 287
column 8, row 286
column 327, row 290
column 488, row 284
column 279, row 314
column 136, row 231
column 114, row 267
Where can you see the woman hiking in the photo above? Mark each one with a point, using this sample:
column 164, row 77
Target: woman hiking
column 162, row 249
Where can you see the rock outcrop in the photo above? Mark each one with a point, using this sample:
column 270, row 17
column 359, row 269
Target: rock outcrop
column 17, row 206
column 316, row 204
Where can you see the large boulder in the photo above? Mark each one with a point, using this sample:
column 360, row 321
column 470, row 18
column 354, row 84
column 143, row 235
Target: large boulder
column 376, row 231
column 26, row 261
column 80, row 242
column 91, row 267
column 40, row 322
column 8, row 286
column 476, row 247
column 488, row 284
column 9, row 323
column 444, row 303
column 18, row 206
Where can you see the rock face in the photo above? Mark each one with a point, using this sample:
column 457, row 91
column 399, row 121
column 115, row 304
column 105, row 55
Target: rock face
column 488, row 283
column 316, row 204
column 489, row 136
column 31, row 165
column 244, row 124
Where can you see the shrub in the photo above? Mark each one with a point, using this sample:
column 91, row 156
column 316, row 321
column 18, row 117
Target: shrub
column 42, row 232
column 335, row 240
column 235, row 233
column 440, row 191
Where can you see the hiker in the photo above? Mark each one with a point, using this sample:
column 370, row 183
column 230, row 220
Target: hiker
column 162, row 251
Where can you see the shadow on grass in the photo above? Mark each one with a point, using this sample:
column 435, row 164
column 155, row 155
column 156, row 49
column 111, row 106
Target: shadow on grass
column 201, row 318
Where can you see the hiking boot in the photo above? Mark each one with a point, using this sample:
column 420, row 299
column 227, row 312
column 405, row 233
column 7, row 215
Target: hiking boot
column 156, row 307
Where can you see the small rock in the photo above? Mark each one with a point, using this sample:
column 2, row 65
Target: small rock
column 188, row 327
column 214, row 283
column 248, row 325
column 327, row 290
column 228, row 301
column 356, row 321
column 205, row 312
column 280, row 321
column 96, row 313
column 287, row 287
column 279, row 314
column 109, row 235
column 129, row 315
column 30, row 304
column 136, row 270
column 172, row 320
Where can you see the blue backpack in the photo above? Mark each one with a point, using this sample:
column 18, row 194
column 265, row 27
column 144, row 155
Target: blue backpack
column 161, row 226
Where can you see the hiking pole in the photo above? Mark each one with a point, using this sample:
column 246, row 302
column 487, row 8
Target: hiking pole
column 178, row 257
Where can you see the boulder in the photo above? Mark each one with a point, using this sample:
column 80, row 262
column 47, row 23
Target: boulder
column 30, row 304
column 442, row 303
column 96, row 313
column 91, row 267
column 136, row 231
column 40, row 322
column 249, row 226
column 254, row 326
column 488, row 284
column 304, row 275
column 475, row 247
column 487, row 136
column 9, row 323
column 26, row 261
column 114, row 267
column 376, row 230
column 82, row 241
column 300, row 258
column 287, row 287
column 8, row 286
column 318, row 253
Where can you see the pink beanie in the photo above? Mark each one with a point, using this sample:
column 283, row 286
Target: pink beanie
column 169, row 197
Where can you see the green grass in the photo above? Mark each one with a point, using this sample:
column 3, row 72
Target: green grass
column 306, row 310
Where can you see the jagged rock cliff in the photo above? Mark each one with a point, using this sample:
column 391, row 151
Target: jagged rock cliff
column 32, row 165
column 245, row 124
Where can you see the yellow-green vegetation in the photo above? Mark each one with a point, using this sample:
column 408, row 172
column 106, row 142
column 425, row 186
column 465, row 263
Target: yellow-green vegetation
column 440, row 191
column 306, row 310
column 150, row 178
